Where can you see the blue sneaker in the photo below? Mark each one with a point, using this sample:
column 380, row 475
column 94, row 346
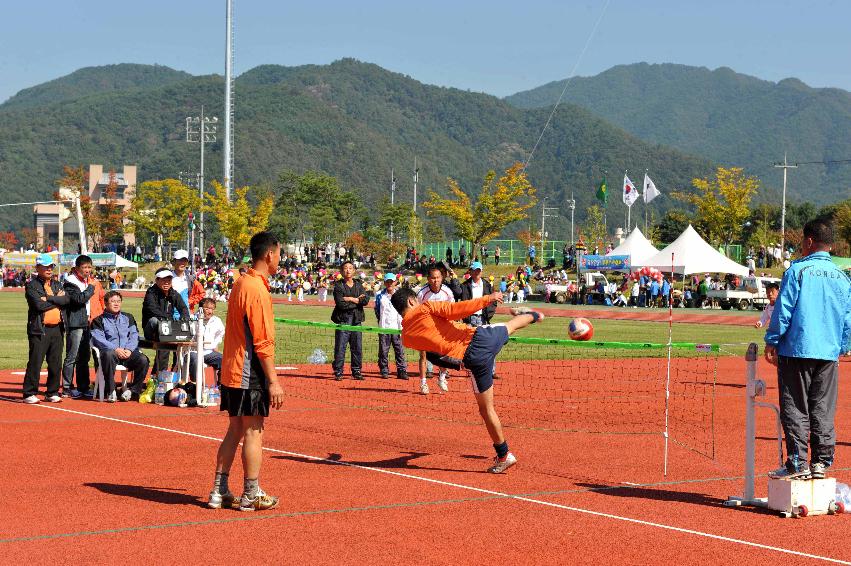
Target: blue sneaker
column 75, row 394
column 89, row 394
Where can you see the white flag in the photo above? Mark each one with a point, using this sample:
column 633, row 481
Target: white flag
column 650, row 190
column 630, row 195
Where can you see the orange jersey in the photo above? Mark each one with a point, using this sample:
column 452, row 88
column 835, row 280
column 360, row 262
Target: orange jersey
column 249, row 333
column 432, row 326
column 96, row 304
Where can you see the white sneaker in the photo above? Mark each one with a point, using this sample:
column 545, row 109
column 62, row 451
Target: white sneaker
column 500, row 465
column 112, row 398
column 424, row 388
column 441, row 382
column 31, row 400
column 218, row 500
column 53, row 399
column 126, row 395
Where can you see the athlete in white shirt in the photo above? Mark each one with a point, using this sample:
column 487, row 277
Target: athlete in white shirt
column 772, row 290
column 434, row 291
column 214, row 333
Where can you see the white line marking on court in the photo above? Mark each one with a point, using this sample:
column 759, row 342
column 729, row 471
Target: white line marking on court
column 25, row 373
column 629, row 483
column 285, row 367
column 466, row 487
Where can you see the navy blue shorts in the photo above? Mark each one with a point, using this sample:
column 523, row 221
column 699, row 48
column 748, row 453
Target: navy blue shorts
column 481, row 354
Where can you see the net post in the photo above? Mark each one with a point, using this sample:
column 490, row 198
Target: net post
column 199, row 358
column 668, row 369
column 750, row 419
column 754, row 388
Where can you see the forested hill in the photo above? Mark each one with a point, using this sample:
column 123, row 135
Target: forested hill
column 725, row 117
column 351, row 119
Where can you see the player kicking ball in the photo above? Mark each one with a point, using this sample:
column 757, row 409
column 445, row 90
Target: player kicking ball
column 433, row 327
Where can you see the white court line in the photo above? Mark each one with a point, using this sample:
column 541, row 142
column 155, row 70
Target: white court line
column 285, row 367
column 467, row 487
column 25, row 373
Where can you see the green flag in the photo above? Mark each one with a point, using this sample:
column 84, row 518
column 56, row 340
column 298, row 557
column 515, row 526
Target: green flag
column 603, row 193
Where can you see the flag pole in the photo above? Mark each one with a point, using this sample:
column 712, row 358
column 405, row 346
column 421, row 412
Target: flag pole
column 645, row 201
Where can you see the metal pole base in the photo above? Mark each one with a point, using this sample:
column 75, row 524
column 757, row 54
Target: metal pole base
column 735, row 501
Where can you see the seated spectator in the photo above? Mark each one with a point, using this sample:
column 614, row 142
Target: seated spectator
column 115, row 334
column 161, row 303
column 214, row 332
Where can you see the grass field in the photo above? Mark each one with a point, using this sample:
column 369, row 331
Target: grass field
column 13, row 314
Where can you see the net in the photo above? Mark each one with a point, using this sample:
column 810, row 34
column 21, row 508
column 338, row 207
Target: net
column 543, row 384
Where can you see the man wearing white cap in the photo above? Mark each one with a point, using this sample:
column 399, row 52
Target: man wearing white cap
column 473, row 288
column 161, row 302
column 184, row 283
column 45, row 328
column 388, row 317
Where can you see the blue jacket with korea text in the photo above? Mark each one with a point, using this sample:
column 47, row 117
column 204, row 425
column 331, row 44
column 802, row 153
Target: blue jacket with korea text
column 812, row 316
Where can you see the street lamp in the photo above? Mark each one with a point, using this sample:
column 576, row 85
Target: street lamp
column 572, row 205
column 201, row 130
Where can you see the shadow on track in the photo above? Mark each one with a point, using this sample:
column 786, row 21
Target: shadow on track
column 155, row 494
column 398, row 463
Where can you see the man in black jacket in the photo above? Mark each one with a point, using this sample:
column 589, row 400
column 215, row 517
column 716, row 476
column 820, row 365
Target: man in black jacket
column 161, row 303
column 45, row 327
column 78, row 351
column 349, row 300
column 473, row 288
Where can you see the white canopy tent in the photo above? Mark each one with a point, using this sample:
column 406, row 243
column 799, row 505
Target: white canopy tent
column 636, row 246
column 692, row 255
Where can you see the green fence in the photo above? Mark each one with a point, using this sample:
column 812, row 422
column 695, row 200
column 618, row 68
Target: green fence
column 512, row 252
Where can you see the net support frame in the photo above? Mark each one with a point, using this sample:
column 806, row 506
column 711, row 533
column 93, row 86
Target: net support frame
column 754, row 389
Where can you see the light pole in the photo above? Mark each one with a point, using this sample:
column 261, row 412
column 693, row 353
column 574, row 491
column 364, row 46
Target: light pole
column 785, row 166
column 572, row 204
column 201, row 130
column 545, row 213
column 416, row 180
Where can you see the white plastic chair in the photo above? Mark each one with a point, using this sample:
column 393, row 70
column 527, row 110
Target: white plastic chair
column 100, row 383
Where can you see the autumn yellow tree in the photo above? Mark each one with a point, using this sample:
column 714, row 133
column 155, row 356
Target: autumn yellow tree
column 842, row 220
column 74, row 182
column 162, row 208
column 237, row 221
column 499, row 203
column 722, row 203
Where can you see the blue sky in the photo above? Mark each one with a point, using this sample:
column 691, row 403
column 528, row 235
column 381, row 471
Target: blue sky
column 494, row 46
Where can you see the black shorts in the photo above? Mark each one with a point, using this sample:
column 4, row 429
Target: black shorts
column 245, row 402
column 481, row 354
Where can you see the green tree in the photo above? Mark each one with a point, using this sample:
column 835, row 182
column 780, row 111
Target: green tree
column 162, row 208
column 722, row 204
column 842, row 221
column 500, row 202
column 313, row 205
column 237, row 220
column 671, row 226
column 595, row 227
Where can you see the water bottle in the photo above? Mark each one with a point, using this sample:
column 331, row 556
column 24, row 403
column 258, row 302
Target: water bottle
column 317, row 357
column 843, row 494
column 159, row 397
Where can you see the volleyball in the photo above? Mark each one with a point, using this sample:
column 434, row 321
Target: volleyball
column 580, row 329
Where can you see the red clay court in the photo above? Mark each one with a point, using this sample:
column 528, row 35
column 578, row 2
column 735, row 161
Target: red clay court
column 365, row 482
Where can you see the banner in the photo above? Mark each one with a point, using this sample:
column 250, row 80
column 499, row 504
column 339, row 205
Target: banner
column 98, row 260
column 604, row 262
column 26, row 259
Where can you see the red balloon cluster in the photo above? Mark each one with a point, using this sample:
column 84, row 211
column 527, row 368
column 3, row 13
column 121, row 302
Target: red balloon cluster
column 650, row 272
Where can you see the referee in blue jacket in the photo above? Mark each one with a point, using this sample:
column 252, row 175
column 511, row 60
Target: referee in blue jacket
column 809, row 329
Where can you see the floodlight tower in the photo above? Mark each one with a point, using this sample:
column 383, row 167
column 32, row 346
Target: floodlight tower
column 202, row 130
column 227, row 176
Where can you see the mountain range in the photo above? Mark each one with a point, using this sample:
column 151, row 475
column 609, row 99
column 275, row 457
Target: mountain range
column 358, row 122
column 726, row 117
